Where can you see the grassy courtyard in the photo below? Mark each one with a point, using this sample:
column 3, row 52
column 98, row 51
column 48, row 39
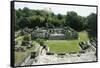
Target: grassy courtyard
column 58, row 46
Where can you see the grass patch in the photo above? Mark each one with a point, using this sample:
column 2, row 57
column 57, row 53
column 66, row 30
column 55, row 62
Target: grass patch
column 20, row 38
column 58, row 46
column 83, row 36
column 19, row 56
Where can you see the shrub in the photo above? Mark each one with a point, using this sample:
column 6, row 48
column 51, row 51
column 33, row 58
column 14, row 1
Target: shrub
column 40, row 41
column 33, row 55
column 27, row 38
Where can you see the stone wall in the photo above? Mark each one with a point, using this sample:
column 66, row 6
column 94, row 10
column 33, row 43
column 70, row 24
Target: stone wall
column 56, row 33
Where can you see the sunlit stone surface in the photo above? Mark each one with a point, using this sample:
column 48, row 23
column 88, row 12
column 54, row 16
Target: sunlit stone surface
column 42, row 58
column 89, row 55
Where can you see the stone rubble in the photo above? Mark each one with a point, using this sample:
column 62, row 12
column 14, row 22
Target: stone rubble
column 67, row 58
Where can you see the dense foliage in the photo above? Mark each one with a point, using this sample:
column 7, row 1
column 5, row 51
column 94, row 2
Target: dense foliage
column 92, row 25
column 44, row 18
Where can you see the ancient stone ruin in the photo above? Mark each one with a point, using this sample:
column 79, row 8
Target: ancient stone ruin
column 55, row 33
column 41, row 53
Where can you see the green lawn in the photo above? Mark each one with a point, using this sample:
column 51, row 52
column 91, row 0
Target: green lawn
column 58, row 46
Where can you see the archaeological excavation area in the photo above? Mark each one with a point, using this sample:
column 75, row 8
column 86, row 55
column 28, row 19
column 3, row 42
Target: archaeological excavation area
column 47, row 34
column 36, row 48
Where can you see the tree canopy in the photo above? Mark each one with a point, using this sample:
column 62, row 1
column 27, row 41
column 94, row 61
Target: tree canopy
column 92, row 25
column 32, row 18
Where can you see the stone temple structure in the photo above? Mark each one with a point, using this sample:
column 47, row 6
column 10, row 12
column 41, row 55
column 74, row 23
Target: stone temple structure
column 55, row 33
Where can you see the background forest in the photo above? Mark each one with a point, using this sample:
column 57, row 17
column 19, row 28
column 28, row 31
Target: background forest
column 46, row 18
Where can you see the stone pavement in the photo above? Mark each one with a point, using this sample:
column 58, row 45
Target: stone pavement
column 53, row 59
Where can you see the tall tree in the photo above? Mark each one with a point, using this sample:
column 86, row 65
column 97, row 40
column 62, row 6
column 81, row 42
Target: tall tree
column 92, row 25
column 74, row 21
column 26, row 12
column 24, row 22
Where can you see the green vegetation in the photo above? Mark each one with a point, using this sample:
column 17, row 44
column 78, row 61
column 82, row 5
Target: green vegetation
column 63, row 46
column 66, row 45
column 40, row 41
column 92, row 25
column 32, row 18
column 83, row 36
column 55, row 46
column 20, row 38
column 20, row 56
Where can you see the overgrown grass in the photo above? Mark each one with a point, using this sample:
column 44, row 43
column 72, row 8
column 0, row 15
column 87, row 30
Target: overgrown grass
column 20, row 38
column 83, row 36
column 19, row 56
